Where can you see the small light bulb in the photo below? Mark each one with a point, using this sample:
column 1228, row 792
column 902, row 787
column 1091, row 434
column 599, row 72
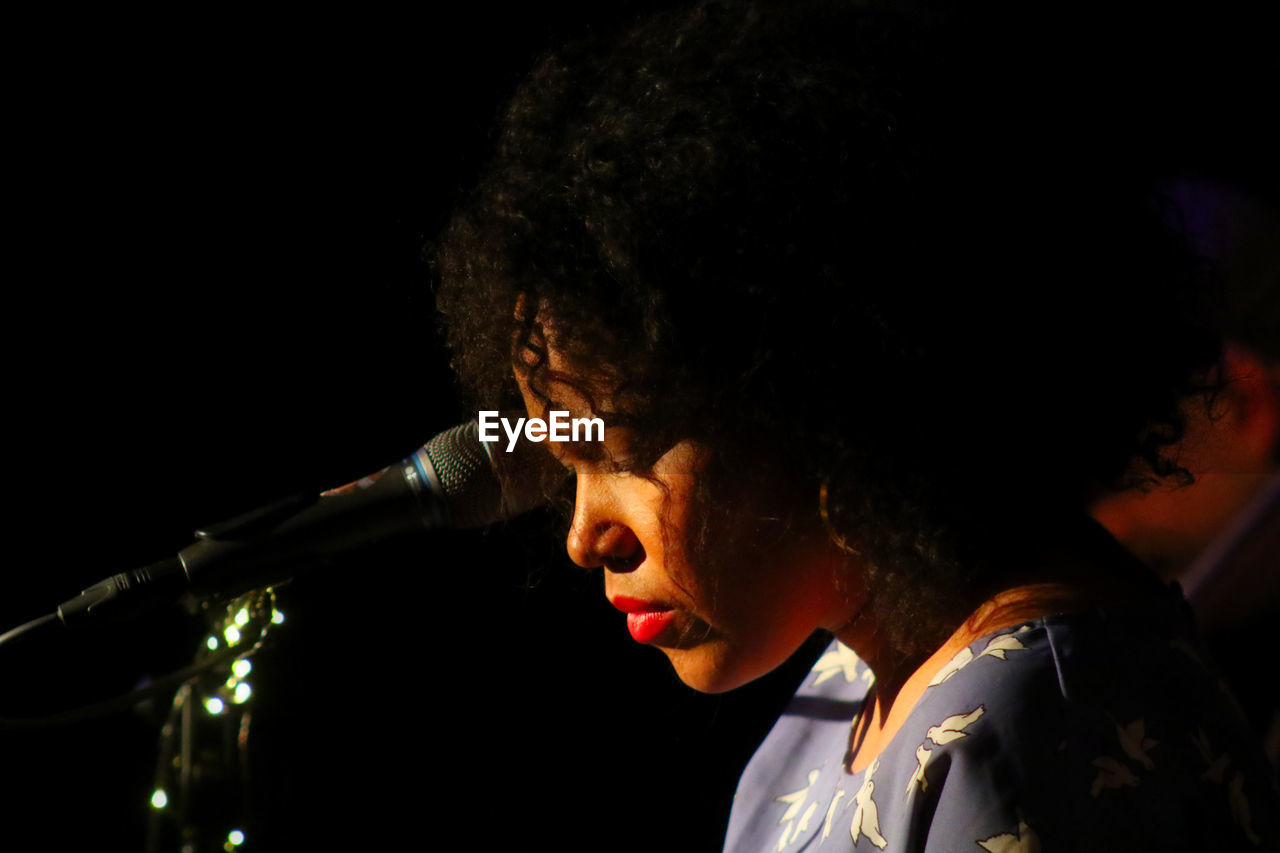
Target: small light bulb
column 243, row 692
column 159, row 799
column 212, row 643
column 232, row 634
column 214, row 705
column 236, row 837
column 242, row 667
column 242, row 618
column 277, row 617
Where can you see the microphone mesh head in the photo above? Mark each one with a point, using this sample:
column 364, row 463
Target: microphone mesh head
column 468, row 471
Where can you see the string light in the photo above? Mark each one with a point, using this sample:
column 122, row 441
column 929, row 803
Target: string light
column 244, row 623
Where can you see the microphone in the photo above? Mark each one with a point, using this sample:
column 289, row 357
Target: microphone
column 453, row 481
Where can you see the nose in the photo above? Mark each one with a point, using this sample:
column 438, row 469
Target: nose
column 599, row 535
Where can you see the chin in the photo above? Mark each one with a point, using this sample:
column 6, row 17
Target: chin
column 707, row 672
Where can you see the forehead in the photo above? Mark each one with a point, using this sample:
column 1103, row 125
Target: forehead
column 549, row 382
column 549, row 372
column 589, row 373
column 551, row 387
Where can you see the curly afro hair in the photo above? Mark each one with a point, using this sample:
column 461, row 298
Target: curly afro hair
column 895, row 256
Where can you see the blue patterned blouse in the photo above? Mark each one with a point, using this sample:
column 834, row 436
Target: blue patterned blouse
column 1093, row 731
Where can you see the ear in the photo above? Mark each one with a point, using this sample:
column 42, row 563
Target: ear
column 1250, row 402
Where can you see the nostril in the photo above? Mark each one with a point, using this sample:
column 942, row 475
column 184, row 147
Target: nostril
column 621, row 565
column 611, row 545
column 619, row 549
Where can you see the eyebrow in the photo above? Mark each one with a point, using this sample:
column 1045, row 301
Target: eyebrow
column 590, row 452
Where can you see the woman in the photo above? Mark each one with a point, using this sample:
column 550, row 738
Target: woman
column 871, row 305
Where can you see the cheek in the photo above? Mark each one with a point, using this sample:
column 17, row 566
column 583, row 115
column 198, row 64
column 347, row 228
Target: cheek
column 670, row 533
column 760, row 586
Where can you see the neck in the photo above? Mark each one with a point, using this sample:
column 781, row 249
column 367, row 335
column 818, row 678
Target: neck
column 1082, row 569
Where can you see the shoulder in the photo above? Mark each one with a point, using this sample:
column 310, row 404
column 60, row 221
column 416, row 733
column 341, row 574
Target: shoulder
column 1102, row 730
column 1095, row 730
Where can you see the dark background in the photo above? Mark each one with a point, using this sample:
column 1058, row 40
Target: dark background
column 215, row 298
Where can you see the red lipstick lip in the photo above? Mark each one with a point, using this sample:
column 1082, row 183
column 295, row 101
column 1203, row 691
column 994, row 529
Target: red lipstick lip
column 646, row 627
column 636, row 605
column 646, row 620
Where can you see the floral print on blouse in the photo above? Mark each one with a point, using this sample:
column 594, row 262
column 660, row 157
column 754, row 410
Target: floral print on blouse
column 1101, row 730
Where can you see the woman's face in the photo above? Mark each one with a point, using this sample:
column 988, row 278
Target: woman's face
column 721, row 622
